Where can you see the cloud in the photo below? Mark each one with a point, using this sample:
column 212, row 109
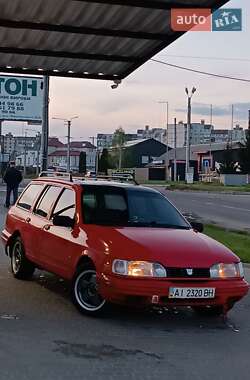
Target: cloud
column 240, row 110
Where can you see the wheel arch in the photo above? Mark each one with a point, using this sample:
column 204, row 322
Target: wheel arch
column 85, row 261
column 11, row 241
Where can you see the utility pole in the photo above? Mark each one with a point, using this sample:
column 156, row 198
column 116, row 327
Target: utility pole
column 38, row 153
column 93, row 138
column 232, row 126
column 210, row 142
column 189, row 97
column 25, row 153
column 1, row 147
column 68, row 147
column 45, row 123
column 97, row 161
column 175, row 146
column 68, row 122
column 1, row 134
column 120, row 158
column 167, row 127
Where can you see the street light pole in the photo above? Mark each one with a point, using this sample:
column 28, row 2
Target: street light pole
column 189, row 97
column 68, row 122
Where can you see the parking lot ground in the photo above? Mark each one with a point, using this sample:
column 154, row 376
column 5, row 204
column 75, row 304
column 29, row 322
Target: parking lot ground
column 43, row 337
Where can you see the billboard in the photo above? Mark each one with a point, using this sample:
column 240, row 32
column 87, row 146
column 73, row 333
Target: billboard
column 21, row 98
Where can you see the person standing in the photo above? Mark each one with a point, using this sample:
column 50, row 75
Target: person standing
column 12, row 178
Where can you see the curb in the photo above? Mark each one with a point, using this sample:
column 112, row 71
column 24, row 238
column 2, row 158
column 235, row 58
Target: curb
column 209, row 192
column 246, row 265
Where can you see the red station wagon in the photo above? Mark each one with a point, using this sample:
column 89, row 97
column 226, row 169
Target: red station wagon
column 119, row 243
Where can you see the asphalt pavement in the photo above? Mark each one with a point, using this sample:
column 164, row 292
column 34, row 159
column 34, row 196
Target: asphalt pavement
column 43, row 337
column 227, row 210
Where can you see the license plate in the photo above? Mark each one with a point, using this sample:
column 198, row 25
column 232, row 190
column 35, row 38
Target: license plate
column 191, row 293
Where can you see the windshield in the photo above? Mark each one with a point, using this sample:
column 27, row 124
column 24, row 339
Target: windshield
column 113, row 206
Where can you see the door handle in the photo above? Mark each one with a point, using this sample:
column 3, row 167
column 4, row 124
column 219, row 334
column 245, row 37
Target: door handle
column 46, row 227
column 28, row 220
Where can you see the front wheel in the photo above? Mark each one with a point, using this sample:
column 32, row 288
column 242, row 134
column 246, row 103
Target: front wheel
column 85, row 294
column 21, row 267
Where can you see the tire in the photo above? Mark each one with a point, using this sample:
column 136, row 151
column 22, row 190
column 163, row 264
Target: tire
column 84, row 292
column 209, row 311
column 21, row 267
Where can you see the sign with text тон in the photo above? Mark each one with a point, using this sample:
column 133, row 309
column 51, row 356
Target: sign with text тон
column 21, row 98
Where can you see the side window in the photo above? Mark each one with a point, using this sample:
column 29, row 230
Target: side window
column 104, row 205
column 66, row 204
column 29, row 196
column 115, row 202
column 89, row 205
column 47, row 200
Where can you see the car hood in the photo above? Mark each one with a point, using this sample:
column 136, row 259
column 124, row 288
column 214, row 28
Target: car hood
column 170, row 247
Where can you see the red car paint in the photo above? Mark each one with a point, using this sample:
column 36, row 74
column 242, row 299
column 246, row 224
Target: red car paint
column 60, row 250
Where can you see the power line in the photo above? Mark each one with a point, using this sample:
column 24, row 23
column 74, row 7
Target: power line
column 200, row 72
column 206, row 58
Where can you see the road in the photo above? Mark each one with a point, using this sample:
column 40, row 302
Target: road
column 227, row 210
column 230, row 211
column 43, row 337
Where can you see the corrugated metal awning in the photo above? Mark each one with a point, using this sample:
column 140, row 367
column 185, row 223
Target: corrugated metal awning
column 100, row 39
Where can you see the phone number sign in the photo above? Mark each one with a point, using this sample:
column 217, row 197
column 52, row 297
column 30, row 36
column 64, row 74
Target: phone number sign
column 21, row 98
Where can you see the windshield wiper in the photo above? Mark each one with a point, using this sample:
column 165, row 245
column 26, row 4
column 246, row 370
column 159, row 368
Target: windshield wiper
column 155, row 224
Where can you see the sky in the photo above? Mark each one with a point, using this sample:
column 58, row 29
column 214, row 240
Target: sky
column 135, row 103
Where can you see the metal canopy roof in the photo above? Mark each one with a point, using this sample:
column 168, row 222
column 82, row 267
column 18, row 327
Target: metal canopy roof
column 100, row 39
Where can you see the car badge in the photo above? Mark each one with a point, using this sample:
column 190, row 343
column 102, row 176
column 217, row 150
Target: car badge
column 189, row 272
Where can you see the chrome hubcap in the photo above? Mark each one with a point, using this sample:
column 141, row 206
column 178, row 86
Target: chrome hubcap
column 86, row 291
column 16, row 257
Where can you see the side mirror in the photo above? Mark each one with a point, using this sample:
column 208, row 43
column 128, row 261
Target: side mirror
column 199, row 227
column 63, row 221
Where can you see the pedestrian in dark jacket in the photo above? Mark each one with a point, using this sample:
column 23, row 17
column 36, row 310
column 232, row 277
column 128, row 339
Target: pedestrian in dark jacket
column 12, row 178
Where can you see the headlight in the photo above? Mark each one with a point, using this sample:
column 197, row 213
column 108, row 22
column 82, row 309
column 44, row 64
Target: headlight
column 138, row 268
column 227, row 270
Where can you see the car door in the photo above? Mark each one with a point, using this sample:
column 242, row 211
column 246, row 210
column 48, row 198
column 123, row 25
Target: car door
column 22, row 218
column 40, row 217
column 59, row 243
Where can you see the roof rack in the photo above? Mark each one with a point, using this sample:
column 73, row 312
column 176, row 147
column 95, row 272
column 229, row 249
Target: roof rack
column 120, row 178
column 111, row 178
column 53, row 174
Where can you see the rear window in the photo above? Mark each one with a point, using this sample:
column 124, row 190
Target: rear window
column 47, row 200
column 29, row 196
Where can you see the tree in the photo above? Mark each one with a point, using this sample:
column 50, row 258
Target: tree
column 118, row 141
column 128, row 159
column 244, row 154
column 82, row 163
column 104, row 162
column 228, row 165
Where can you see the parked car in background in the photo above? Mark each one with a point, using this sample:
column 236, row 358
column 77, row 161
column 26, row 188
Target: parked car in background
column 91, row 174
column 119, row 243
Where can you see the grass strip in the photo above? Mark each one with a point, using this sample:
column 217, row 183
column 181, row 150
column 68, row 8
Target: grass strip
column 237, row 241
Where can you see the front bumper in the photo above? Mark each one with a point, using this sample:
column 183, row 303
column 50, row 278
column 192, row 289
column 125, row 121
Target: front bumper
column 142, row 292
